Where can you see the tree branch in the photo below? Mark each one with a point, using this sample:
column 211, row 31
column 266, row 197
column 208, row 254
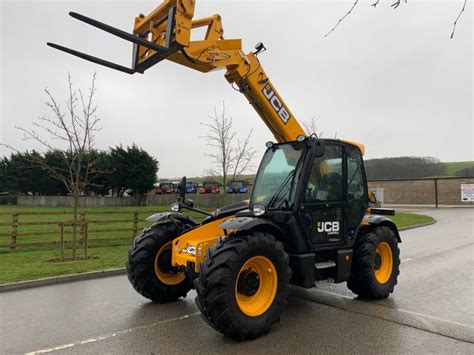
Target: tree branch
column 397, row 3
column 457, row 19
column 342, row 18
column 375, row 3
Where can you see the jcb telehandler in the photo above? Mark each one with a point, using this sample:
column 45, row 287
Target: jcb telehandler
column 308, row 217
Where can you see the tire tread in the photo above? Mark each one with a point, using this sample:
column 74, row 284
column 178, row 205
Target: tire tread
column 212, row 284
column 140, row 264
column 362, row 280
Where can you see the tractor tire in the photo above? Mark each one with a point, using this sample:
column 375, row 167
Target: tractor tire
column 242, row 286
column 375, row 264
column 149, row 264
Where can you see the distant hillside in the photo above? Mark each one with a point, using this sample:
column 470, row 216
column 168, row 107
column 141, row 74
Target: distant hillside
column 403, row 168
column 415, row 167
column 457, row 167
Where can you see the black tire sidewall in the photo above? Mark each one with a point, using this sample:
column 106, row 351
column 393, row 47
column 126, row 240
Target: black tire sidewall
column 390, row 239
column 216, row 284
column 141, row 264
column 363, row 281
column 281, row 293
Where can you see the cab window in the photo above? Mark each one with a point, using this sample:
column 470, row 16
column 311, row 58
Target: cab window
column 355, row 175
column 357, row 197
column 325, row 181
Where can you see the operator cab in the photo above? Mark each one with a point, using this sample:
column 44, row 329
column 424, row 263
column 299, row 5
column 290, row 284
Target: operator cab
column 316, row 186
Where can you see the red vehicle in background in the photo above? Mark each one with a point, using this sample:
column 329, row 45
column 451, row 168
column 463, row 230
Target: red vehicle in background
column 165, row 188
column 209, row 188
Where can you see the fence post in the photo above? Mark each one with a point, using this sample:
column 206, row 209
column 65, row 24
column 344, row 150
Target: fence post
column 436, row 192
column 14, row 232
column 86, row 227
column 61, row 242
column 81, row 230
column 74, row 237
column 135, row 224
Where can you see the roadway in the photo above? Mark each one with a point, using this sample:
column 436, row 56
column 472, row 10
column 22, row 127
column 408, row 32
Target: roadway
column 431, row 311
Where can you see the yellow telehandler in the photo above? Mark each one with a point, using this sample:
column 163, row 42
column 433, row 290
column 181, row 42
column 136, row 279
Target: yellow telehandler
column 308, row 217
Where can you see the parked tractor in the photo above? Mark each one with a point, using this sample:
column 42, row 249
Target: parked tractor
column 237, row 187
column 165, row 188
column 209, row 188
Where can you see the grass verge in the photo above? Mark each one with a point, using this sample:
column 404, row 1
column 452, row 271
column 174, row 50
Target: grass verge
column 406, row 220
column 31, row 265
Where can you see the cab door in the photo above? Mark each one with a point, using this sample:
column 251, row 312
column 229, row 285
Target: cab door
column 322, row 209
column 357, row 194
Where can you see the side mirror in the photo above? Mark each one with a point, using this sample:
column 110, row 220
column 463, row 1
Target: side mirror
column 189, row 203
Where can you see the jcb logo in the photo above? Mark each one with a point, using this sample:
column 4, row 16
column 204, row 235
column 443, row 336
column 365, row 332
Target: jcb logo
column 328, row 227
column 189, row 249
column 276, row 103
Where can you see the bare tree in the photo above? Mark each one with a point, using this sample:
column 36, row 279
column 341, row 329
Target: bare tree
column 231, row 156
column 70, row 133
column 312, row 127
column 394, row 4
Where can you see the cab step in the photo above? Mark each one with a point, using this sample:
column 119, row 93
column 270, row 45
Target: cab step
column 325, row 264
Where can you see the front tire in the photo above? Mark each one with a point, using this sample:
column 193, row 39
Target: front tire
column 149, row 265
column 242, row 285
column 375, row 265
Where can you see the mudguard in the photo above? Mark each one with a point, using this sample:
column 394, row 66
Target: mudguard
column 249, row 223
column 160, row 217
column 378, row 220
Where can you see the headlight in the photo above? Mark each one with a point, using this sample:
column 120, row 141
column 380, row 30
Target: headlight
column 175, row 207
column 258, row 210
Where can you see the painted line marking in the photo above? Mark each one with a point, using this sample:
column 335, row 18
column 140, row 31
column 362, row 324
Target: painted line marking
column 111, row 335
column 405, row 260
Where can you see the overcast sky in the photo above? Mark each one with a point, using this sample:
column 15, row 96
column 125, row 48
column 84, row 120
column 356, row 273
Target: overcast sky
column 391, row 79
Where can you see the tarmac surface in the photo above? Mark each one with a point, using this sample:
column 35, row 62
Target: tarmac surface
column 431, row 311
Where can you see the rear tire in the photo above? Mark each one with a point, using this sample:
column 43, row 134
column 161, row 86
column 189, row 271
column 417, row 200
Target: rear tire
column 375, row 264
column 242, row 285
column 149, row 265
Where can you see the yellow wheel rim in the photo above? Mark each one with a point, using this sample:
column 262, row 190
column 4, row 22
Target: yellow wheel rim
column 384, row 263
column 167, row 277
column 260, row 301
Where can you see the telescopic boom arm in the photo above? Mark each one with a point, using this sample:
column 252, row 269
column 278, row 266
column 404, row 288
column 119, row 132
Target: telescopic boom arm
column 165, row 33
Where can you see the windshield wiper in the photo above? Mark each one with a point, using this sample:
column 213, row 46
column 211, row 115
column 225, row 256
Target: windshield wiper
column 277, row 195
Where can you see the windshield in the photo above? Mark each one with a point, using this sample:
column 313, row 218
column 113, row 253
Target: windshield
column 209, row 185
column 165, row 186
column 276, row 178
